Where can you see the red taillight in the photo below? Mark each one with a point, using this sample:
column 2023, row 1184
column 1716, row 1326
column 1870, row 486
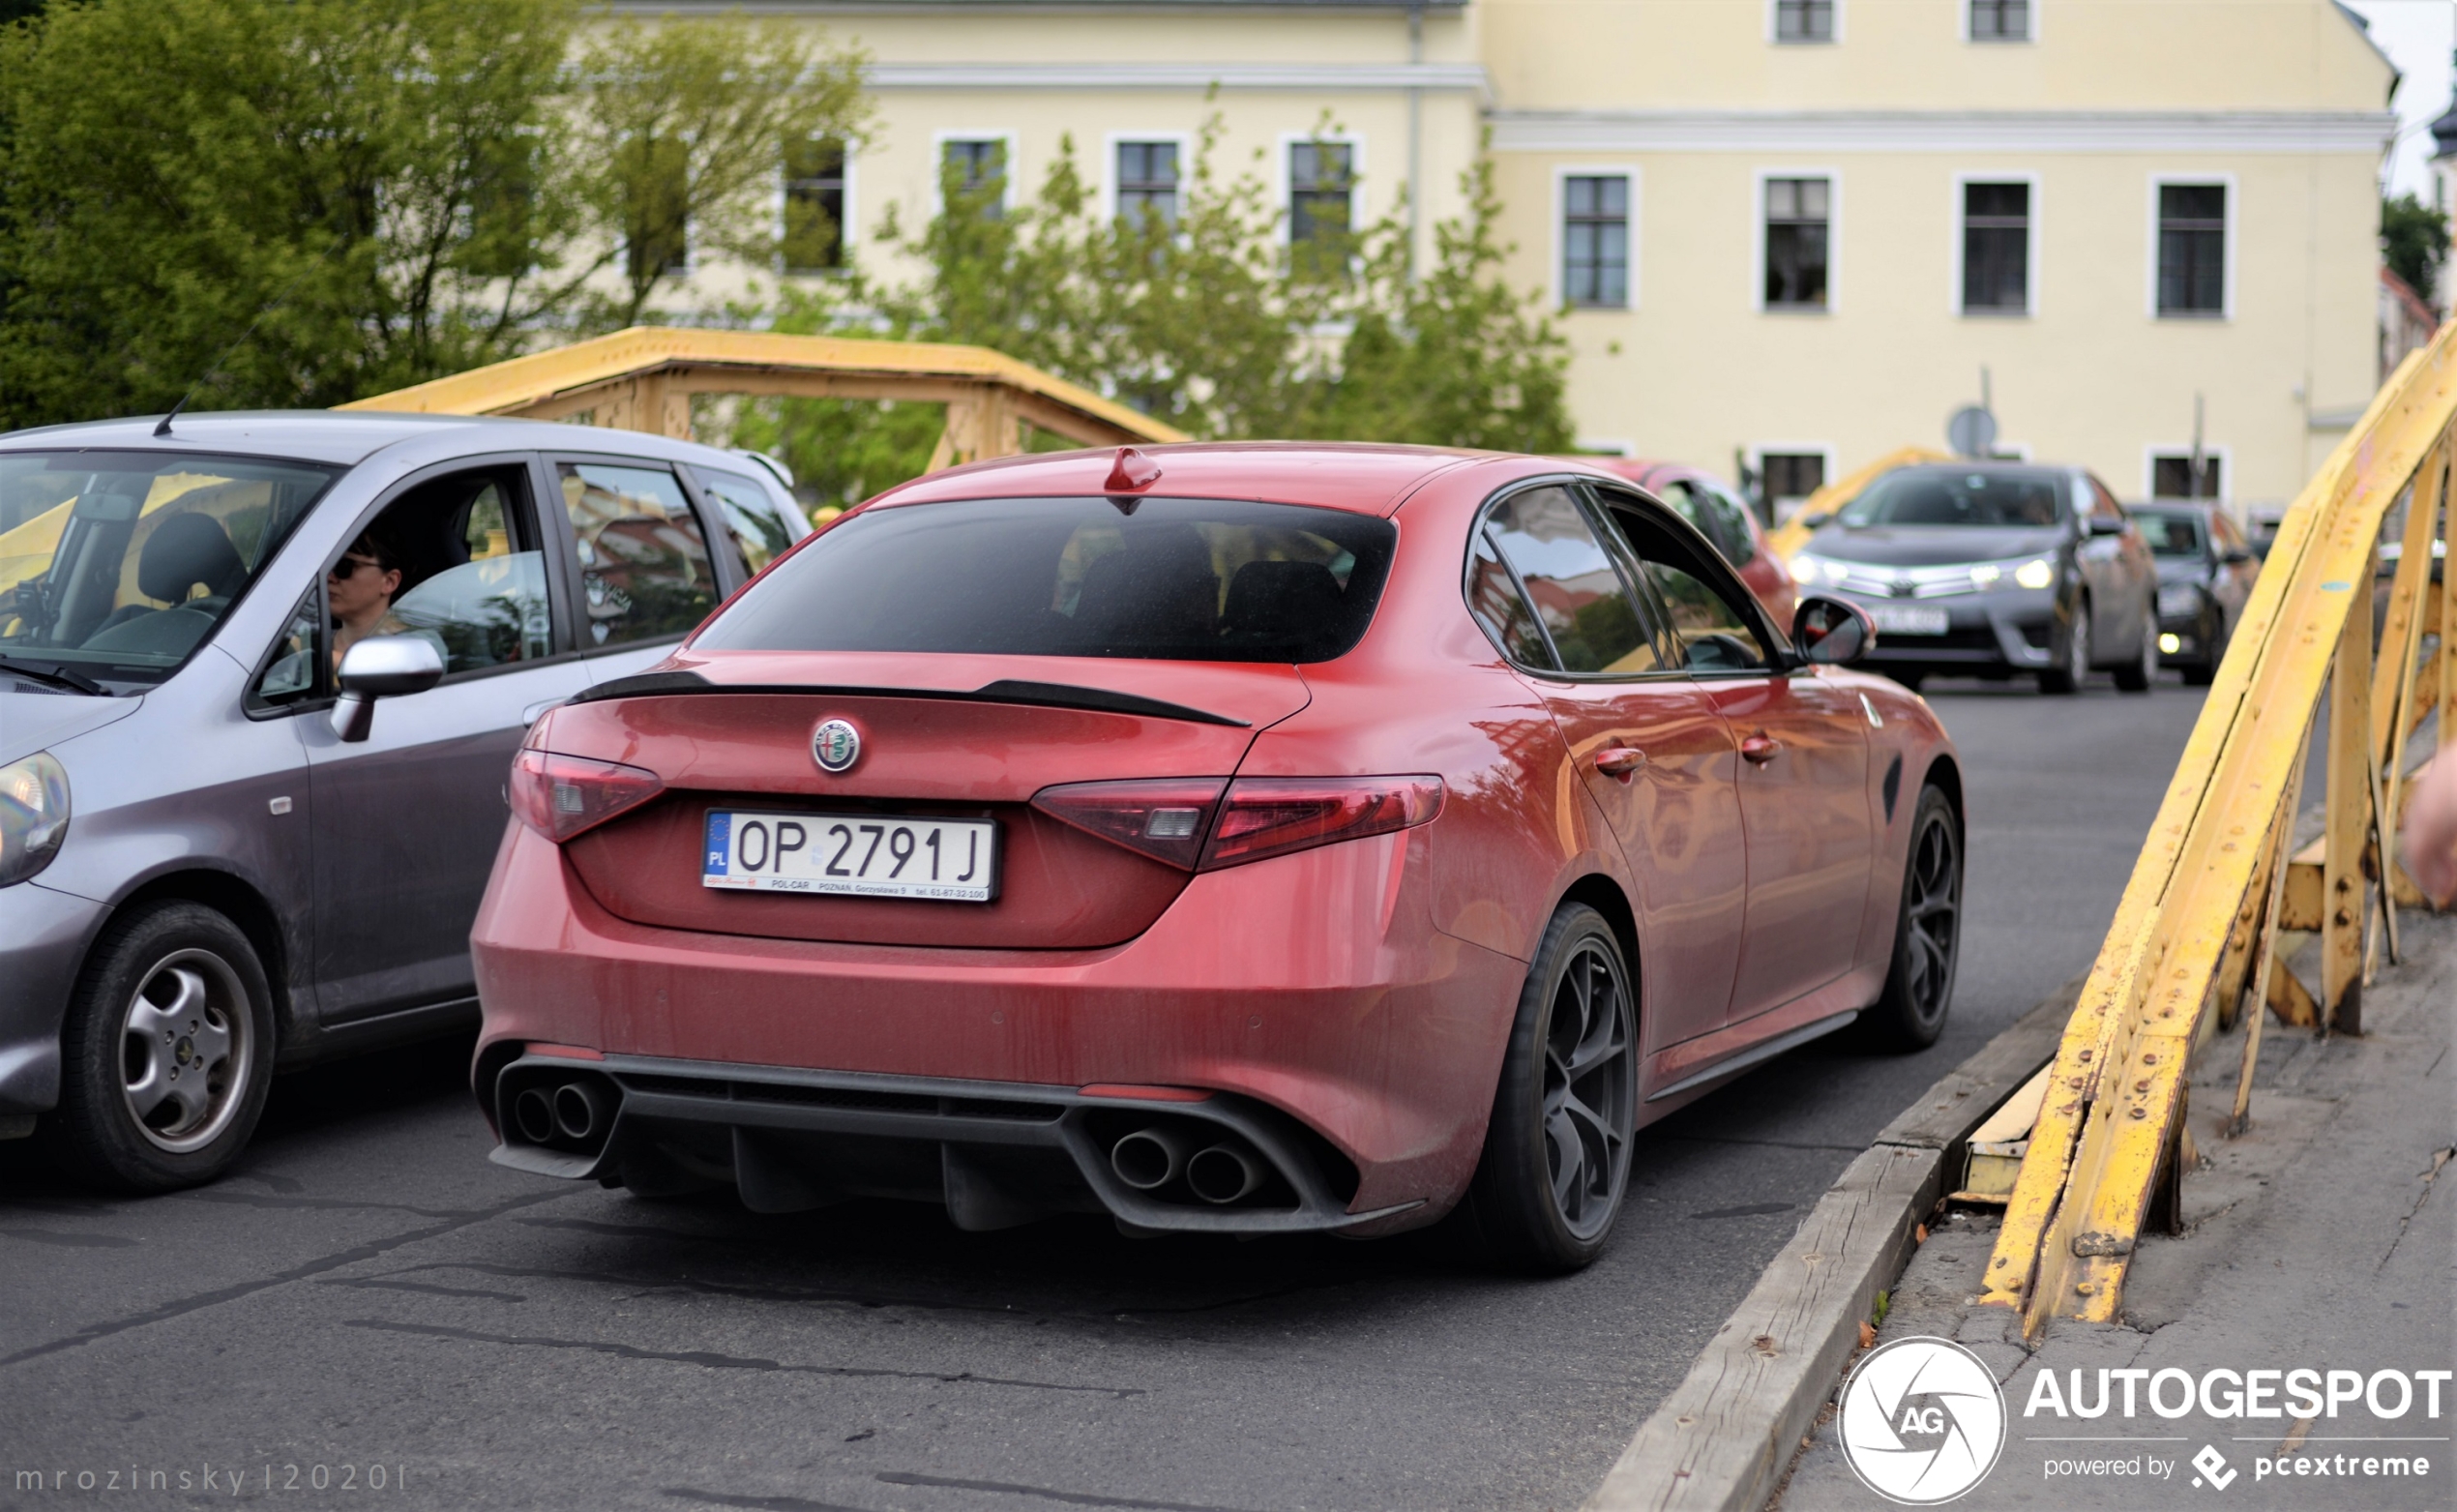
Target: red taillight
column 1189, row 824
column 1162, row 819
column 560, row 795
column 1273, row 816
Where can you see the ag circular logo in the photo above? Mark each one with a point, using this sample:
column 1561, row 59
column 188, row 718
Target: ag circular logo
column 835, row 745
column 1922, row 1421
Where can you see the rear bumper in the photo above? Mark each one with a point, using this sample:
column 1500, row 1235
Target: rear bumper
column 42, row 939
column 1310, row 988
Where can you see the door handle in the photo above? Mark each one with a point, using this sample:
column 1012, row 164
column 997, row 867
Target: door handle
column 1761, row 748
column 1621, row 761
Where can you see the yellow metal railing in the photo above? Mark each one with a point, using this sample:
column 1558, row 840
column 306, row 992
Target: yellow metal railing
column 2209, row 894
column 642, row 379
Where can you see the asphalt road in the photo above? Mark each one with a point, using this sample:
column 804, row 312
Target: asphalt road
column 368, row 1298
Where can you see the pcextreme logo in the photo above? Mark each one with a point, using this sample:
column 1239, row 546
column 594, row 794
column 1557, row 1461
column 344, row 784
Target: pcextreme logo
column 1922, row 1421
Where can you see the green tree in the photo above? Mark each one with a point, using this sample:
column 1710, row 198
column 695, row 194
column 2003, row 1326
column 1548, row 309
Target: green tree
column 683, row 128
column 2413, row 242
column 315, row 168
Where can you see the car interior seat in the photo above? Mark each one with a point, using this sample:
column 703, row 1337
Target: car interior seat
column 1282, row 604
column 184, row 551
column 1160, row 590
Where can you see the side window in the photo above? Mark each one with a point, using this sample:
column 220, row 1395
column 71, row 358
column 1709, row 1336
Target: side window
column 763, row 525
column 1738, row 543
column 1714, row 631
column 289, row 674
column 2103, row 503
column 1716, row 516
column 644, row 568
column 1585, row 606
column 480, row 588
column 1493, row 598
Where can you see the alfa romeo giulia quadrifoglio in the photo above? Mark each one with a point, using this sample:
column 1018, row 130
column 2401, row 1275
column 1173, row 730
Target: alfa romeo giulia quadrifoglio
column 1234, row 839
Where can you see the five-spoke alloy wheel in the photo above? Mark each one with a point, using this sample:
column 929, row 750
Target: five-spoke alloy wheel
column 166, row 1053
column 1556, row 1153
column 1919, row 988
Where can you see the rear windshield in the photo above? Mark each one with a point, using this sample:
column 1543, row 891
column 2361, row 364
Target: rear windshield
column 1174, row 580
column 1960, row 497
column 2169, row 535
column 116, row 565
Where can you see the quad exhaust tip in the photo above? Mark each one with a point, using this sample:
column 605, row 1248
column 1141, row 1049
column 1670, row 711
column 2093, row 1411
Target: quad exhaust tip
column 579, row 1111
column 1223, row 1174
column 533, row 1113
column 1149, row 1159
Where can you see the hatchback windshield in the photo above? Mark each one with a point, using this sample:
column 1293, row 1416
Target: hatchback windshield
column 2170, row 533
column 117, row 564
column 1999, row 497
column 1179, row 580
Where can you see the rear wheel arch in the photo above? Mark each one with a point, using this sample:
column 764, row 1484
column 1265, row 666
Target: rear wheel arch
column 1605, row 896
column 1946, row 777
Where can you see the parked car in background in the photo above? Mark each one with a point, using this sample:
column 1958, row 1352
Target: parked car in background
column 216, row 855
column 1227, row 839
column 2206, row 572
column 1992, row 569
column 1723, row 516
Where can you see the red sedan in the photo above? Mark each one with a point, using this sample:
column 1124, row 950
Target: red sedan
column 1705, row 501
column 1228, row 837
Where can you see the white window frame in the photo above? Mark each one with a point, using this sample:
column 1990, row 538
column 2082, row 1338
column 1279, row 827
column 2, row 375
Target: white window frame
column 2225, row 455
column 1758, row 178
column 1184, row 141
column 1284, row 185
column 1962, row 25
column 1758, row 456
column 1774, row 27
column 938, row 142
column 1563, row 173
column 2234, row 221
column 2029, row 309
column 844, row 232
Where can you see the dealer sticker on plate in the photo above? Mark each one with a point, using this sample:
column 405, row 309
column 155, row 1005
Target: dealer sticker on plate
column 865, row 855
column 1910, row 619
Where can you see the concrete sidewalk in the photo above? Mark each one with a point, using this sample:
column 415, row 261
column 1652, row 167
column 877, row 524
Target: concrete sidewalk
column 2319, row 1241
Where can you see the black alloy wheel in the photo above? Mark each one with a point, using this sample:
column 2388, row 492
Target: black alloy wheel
column 2072, row 647
column 1556, row 1161
column 166, row 1052
column 2138, row 674
column 1919, row 988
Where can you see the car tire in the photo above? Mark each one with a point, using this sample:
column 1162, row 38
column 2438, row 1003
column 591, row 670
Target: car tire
column 1568, row 1088
column 1909, row 1013
column 172, row 993
column 2142, row 672
column 2072, row 648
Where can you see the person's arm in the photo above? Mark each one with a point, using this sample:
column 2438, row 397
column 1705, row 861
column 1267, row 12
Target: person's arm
column 2430, row 830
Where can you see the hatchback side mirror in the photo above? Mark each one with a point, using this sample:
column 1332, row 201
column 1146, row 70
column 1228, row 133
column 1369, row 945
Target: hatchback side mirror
column 2236, row 557
column 2104, row 525
column 1813, row 521
column 1833, row 632
column 382, row 667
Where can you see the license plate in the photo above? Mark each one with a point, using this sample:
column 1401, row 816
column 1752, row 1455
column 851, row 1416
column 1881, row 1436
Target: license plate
column 862, row 855
column 1910, row 619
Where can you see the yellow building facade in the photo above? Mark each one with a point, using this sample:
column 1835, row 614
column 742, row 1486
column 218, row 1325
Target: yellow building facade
column 1790, row 232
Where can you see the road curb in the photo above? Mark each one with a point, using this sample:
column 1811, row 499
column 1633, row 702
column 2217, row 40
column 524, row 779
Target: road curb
column 1721, row 1440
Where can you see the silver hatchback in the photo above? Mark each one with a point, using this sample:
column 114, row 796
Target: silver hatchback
column 216, row 857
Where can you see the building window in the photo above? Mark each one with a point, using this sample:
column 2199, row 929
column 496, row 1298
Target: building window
column 1321, row 179
column 1595, row 240
column 814, row 205
column 2000, row 20
column 1995, row 249
column 1147, row 182
column 1789, row 477
column 1804, row 20
column 2192, row 249
column 1797, row 224
column 974, row 173
column 2173, row 477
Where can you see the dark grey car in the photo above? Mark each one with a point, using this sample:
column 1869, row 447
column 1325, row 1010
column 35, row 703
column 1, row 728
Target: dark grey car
column 217, row 854
column 2206, row 572
column 1992, row 569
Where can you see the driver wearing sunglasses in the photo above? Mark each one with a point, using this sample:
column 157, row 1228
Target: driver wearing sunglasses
column 360, row 589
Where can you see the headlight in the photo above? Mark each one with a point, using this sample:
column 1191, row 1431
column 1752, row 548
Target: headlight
column 1985, row 575
column 1807, row 568
column 2177, row 599
column 34, row 816
column 2037, row 572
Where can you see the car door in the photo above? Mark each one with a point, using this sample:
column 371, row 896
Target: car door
column 1645, row 743
column 642, row 565
column 2123, row 580
column 1802, row 778
column 407, row 822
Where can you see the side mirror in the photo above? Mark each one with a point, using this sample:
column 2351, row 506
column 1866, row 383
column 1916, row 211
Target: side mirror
column 1814, row 521
column 382, row 667
column 2236, row 557
column 1833, row 632
column 2106, row 525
